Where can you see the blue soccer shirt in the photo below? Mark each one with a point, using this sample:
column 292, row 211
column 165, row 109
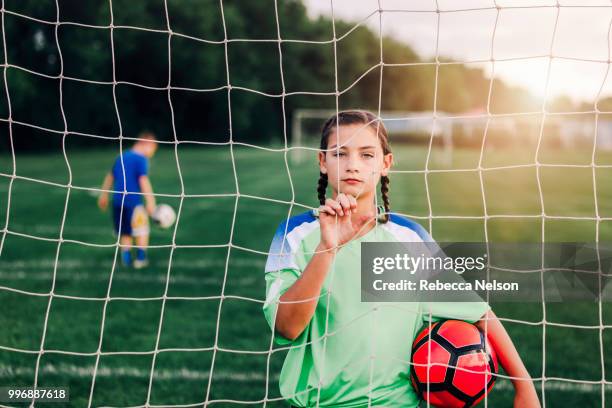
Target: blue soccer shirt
column 135, row 165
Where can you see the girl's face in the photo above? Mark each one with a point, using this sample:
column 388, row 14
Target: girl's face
column 354, row 160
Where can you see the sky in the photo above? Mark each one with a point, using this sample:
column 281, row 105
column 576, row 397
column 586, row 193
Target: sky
column 523, row 36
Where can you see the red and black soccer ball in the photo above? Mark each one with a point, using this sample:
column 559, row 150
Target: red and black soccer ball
column 454, row 345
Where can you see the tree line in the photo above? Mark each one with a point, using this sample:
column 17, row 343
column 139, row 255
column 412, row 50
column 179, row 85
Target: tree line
column 115, row 80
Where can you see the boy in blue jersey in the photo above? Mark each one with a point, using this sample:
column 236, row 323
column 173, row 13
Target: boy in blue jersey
column 130, row 182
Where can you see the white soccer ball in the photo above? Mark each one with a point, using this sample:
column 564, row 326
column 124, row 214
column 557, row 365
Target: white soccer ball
column 164, row 215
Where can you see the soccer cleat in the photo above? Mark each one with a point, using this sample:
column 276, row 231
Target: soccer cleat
column 140, row 263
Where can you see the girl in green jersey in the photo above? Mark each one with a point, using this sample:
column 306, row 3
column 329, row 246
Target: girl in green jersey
column 344, row 352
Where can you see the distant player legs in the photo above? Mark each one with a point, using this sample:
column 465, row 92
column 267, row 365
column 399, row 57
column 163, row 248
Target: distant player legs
column 132, row 224
column 142, row 242
column 140, row 232
column 126, row 250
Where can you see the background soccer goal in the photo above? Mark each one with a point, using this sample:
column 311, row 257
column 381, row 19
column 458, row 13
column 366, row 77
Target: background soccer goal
column 500, row 115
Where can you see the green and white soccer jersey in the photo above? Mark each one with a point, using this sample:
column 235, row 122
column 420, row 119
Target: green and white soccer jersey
column 351, row 354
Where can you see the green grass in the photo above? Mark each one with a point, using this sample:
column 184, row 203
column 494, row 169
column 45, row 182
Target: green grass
column 199, row 272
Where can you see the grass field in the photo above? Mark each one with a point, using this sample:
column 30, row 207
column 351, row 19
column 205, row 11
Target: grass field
column 193, row 275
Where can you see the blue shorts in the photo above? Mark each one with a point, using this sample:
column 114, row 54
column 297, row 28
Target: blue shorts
column 134, row 220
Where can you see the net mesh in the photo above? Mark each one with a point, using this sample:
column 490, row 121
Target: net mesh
column 542, row 379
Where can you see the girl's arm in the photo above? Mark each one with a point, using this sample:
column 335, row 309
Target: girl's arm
column 525, row 393
column 292, row 318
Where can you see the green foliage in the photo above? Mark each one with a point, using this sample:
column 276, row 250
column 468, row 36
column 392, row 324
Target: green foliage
column 193, row 62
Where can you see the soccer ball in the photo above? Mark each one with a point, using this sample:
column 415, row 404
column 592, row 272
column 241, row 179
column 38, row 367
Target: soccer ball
column 164, row 215
column 454, row 345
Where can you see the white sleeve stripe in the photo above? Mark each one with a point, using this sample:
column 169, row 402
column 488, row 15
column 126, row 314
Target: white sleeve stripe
column 402, row 234
column 274, row 291
column 283, row 252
